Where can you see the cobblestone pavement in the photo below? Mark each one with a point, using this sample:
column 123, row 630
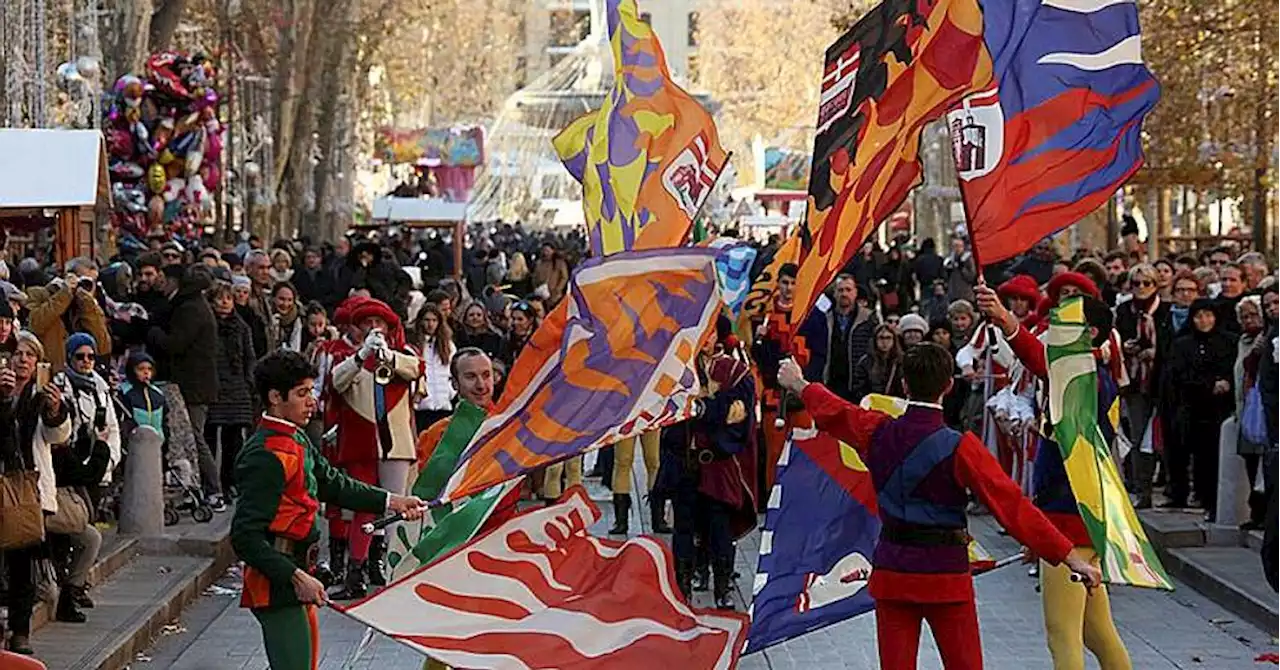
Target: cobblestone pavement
column 1163, row 631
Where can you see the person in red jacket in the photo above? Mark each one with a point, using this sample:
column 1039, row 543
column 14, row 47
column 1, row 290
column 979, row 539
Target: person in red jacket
column 923, row 472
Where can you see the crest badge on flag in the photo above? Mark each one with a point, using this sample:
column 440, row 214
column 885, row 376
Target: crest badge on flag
column 690, row 176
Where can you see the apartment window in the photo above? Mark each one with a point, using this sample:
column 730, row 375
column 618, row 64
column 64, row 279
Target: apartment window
column 569, row 26
column 693, row 29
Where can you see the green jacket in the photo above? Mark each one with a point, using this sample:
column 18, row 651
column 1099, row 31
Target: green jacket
column 282, row 479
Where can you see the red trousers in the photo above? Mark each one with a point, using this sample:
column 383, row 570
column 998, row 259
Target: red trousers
column 954, row 626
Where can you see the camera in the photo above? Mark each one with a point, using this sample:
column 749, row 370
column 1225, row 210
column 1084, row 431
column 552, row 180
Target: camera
column 85, row 284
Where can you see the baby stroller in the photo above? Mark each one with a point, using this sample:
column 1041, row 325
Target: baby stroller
column 182, row 493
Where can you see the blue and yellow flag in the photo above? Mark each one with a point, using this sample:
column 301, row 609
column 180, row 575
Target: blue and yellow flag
column 649, row 157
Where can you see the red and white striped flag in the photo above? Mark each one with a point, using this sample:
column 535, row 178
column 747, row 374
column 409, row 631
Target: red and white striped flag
column 539, row 592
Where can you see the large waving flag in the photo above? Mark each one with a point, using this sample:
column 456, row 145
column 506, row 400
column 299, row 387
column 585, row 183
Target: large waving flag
column 539, row 592
column 900, row 66
column 1060, row 127
column 820, row 528
column 1127, row 556
column 649, row 157
column 414, row 544
column 623, row 366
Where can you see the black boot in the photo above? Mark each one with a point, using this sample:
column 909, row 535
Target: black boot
column 621, row 514
column 80, row 596
column 701, row 570
column 658, row 514
column 335, row 570
column 721, row 576
column 376, row 566
column 21, row 645
column 1144, row 471
column 353, row 588
column 67, row 610
column 684, row 578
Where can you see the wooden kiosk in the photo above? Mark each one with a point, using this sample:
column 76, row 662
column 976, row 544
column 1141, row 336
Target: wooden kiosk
column 426, row 213
column 53, row 179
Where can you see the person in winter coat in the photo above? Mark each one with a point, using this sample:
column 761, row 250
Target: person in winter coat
column 1201, row 370
column 552, row 271
column 287, row 327
column 281, row 266
column 144, row 403
column 897, row 283
column 190, row 345
column 88, row 396
column 1142, row 323
column 34, row 419
column 850, row 329
column 231, row 414
column 1248, row 355
column 927, row 263
column 879, row 370
column 242, row 294
column 313, row 281
column 477, row 332
column 64, row 307
column 523, row 323
column 366, row 268
column 961, row 272
column 434, row 337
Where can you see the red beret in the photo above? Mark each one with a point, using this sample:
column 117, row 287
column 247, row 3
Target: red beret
column 1075, row 279
column 1020, row 286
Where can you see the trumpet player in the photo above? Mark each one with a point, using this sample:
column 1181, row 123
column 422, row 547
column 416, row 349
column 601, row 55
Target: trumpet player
column 703, row 471
column 375, row 425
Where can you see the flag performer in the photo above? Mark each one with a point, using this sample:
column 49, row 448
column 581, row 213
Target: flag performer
column 282, row 479
column 1074, row 618
column 923, row 472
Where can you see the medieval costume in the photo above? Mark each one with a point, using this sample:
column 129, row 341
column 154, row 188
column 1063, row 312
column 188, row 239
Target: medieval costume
column 703, row 473
column 923, row 472
column 282, row 480
column 375, row 428
column 1075, row 617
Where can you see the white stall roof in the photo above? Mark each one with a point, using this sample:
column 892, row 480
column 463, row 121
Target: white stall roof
column 52, row 168
column 418, row 210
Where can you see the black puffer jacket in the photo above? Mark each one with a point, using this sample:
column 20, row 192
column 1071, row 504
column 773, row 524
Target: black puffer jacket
column 1198, row 360
column 234, row 406
column 189, row 344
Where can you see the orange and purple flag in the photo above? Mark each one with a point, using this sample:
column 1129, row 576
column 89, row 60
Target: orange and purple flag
column 901, row 66
column 624, row 365
column 649, row 157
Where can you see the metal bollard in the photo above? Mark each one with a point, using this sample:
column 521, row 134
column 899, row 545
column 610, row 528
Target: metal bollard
column 142, row 501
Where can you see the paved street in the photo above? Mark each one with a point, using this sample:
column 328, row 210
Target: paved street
column 1163, row 631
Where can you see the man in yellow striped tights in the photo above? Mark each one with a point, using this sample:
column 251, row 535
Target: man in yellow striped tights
column 624, row 455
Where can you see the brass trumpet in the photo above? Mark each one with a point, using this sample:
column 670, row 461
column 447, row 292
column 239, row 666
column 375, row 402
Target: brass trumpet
column 383, row 373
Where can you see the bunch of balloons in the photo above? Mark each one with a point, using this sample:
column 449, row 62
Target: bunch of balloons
column 164, row 143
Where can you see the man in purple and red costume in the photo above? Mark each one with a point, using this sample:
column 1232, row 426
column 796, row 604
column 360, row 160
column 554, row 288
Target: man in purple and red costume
column 923, row 472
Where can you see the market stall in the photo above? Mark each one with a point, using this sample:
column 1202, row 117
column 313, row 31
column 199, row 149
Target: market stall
column 421, row 213
column 53, row 179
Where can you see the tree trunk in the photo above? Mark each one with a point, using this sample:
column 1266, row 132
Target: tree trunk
column 164, row 21
column 289, row 85
column 126, row 42
column 335, row 99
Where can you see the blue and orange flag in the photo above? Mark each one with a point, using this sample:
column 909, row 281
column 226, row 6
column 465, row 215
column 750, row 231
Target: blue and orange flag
column 649, row 157
column 1059, row 129
column 899, row 67
column 622, row 366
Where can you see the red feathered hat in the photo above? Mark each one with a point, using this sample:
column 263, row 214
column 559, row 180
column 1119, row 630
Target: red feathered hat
column 358, row 308
column 1075, row 279
column 1020, row 286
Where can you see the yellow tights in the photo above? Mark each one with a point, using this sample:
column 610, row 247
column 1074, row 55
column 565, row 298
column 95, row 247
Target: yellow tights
column 1076, row 618
column 570, row 471
column 624, row 454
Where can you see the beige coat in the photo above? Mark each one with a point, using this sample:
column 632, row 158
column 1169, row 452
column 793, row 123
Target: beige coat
column 356, row 384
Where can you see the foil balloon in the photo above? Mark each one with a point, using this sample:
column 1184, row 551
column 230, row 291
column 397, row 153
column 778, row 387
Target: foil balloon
column 173, row 188
column 126, row 170
column 67, row 75
column 164, row 132
column 89, row 67
column 175, row 168
column 120, row 143
column 156, row 178
column 155, row 211
column 166, row 157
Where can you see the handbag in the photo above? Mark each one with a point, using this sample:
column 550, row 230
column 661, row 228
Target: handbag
column 73, row 513
column 1253, row 417
column 21, row 518
column 46, row 579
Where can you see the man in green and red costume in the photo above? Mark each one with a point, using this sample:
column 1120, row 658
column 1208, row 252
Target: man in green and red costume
column 282, row 479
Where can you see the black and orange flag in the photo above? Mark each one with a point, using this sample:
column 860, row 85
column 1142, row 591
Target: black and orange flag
column 899, row 67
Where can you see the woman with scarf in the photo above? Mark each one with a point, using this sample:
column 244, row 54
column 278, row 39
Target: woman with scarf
column 1249, row 351
column 1143, row 324
column 230, row 416
column 92, row 410
column 878, row 371
column 523, row 323
column 1201, row 374
column 287, row 326
column 434, row 337
column 478, row 332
